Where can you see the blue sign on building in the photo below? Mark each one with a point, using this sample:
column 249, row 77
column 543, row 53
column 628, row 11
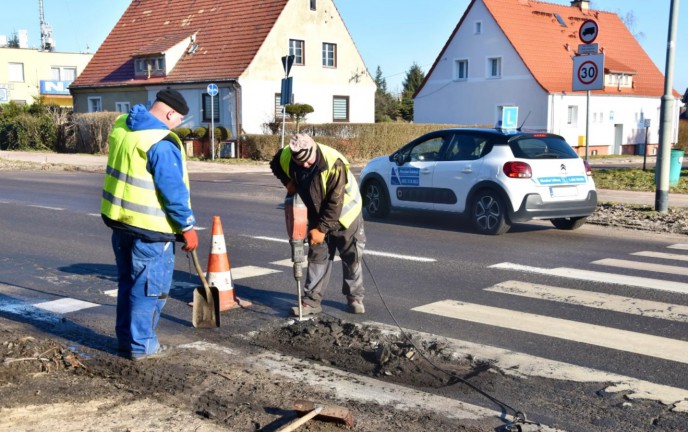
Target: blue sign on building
column 49, row 87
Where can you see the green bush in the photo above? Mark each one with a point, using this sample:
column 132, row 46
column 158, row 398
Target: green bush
column 28, row 132
column 182, row 132
column 222, row 133
column 200, row 132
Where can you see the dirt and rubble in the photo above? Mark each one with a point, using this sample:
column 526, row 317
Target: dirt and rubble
column 46, row 383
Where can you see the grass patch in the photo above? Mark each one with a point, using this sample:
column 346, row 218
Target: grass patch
column 634, row 179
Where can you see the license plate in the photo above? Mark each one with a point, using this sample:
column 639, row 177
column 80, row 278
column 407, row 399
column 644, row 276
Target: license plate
column 563, row 191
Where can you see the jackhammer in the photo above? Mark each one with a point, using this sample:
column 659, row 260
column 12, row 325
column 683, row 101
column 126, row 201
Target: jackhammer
column 296, row 217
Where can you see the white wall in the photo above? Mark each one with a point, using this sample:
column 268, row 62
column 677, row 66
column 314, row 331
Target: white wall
column 313, row 84
column 605, row 113
column 476, row 99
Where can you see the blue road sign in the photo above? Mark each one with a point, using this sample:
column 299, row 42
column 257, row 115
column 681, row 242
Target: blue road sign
column 212, row 89
column 510, row 117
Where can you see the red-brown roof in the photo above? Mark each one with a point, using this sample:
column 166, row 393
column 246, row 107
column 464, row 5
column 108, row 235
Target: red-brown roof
column 546, row 47
column 228, row 33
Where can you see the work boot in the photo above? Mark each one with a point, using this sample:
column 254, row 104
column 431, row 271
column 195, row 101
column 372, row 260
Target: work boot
column 162, row 351
column 356, row 306
column 306, row 310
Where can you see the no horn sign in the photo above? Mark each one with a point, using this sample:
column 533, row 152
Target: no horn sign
column 588, row 72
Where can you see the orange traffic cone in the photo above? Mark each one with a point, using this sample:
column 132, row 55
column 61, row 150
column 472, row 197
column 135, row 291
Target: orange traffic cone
column 219, row 272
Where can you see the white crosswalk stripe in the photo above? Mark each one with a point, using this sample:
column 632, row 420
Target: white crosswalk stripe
column 682, row 246
column 595, row 300
column 662, row 255
column 638, row 265
column 595, row 276
column 623, row 340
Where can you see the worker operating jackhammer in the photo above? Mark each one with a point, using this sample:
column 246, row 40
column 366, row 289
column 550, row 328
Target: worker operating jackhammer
column 321, row 177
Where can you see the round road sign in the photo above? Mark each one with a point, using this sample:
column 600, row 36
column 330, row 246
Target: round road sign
column 212, row 89
column 587, row 72
column 588, row 31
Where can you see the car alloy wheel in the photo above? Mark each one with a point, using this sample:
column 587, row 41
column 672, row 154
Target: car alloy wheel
column 489, row 214
column 375, row 199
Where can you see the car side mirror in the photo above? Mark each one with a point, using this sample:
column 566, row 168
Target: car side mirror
column 401, row 158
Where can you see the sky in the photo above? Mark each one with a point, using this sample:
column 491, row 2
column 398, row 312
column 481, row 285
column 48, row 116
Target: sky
column 390, row 34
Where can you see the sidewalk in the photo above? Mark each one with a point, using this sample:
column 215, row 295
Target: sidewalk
column 96, row 161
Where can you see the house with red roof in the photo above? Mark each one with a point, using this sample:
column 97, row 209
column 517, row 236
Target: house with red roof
column 238, row 45
column 520, row 53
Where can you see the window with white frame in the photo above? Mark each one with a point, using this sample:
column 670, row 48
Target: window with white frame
column 494, row 67
column 460, row 70
column 478, row 27
column 329, row 55
column 572, row 117
column 61, row 73
column 147, row 66
column 340, row 108
column 15, row 72
column 95, row 104
column 296, row 48
column 122, row 107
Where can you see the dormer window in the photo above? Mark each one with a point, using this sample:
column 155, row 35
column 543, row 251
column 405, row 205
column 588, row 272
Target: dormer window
column 149, row 66
column 619, row 80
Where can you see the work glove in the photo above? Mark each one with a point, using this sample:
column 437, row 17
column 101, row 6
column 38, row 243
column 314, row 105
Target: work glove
column 317, row 237
column 291, row 187
column 190, row 240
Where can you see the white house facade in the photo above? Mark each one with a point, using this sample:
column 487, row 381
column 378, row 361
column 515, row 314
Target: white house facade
column 501, row 54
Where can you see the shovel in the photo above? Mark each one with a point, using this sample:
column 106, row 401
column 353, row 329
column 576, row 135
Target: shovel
column 206, row 301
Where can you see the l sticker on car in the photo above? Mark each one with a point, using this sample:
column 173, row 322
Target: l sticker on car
column 405, row 176
column 547, row 181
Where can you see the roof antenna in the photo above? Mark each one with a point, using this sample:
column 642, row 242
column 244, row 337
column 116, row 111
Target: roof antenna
column 524, row 121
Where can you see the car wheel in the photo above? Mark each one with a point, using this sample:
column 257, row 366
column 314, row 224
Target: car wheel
column 489, row 213
column 569, row 223
column 375, row 199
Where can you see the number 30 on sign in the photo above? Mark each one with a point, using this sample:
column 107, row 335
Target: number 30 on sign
column 588, row 72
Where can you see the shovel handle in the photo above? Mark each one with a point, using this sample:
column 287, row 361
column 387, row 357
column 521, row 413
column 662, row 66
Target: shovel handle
column 293, row 425
column 194, row 257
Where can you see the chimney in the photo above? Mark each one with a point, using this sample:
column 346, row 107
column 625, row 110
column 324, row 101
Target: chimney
column 583, row 5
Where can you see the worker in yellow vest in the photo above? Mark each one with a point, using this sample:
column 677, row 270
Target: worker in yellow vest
column 146, row 202
column 321, row 177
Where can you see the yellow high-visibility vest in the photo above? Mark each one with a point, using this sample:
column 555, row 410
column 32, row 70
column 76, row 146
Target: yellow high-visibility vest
column 352, row 196
column 129, row 194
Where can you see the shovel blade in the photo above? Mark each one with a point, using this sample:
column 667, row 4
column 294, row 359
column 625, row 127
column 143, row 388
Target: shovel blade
column 206, row 307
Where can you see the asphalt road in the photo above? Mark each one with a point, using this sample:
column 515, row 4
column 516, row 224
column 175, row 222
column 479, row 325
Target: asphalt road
column 517, row 292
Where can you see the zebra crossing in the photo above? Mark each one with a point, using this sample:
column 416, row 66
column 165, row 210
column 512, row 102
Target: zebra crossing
column 611, row 338
column 609, row 270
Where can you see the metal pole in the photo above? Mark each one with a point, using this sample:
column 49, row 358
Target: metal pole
column 587, row 125
column 284, row 112
column 212, row 127
column 666, row 119
column 647, row 132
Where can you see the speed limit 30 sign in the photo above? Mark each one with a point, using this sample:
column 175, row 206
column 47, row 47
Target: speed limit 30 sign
column 588, row 72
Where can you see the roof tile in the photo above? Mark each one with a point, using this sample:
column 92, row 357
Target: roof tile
column 229, row 34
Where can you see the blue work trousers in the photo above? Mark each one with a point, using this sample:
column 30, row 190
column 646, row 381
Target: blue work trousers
column 144, row 278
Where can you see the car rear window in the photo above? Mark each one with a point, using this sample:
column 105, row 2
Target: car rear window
column 541, row 147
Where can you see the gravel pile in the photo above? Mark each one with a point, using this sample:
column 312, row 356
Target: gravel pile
column 641, row 218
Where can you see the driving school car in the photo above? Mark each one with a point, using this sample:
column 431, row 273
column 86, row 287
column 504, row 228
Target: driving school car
column 493, row 176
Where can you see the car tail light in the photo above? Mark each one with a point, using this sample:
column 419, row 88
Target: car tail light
column 517, row 170
column 588, row 170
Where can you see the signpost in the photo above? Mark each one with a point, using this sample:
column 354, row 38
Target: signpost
column 285, row 95
column 588, row 69
column 212, row 91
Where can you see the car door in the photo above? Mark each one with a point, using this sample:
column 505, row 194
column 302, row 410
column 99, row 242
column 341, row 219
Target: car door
column 457, row 170
column 410, row 183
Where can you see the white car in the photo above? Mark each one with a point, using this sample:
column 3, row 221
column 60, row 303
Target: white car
column 495, row 177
